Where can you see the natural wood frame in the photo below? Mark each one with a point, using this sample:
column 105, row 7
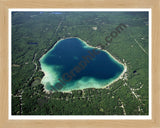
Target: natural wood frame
column 6, row 4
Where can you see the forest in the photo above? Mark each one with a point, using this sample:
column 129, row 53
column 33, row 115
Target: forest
column 34, row 33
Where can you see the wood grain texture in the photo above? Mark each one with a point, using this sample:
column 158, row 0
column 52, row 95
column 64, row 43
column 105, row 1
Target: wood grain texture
column 6, row 4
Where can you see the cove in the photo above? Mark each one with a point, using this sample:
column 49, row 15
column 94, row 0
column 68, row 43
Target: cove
column 71, row 64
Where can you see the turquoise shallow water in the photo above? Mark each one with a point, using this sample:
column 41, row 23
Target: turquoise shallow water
column 71, row 65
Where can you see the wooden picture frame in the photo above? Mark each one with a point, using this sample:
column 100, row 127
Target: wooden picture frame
column 4, row 61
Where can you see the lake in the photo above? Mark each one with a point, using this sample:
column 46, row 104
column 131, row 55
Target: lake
column 71, row 64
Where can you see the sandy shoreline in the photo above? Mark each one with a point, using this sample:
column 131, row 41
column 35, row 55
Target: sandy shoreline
column 120, row 76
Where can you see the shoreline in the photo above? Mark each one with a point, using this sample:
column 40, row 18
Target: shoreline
column 104, row 87
column 119, row 77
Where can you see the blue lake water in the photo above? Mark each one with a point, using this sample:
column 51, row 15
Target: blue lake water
column 56, row 12
column 72, row 64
